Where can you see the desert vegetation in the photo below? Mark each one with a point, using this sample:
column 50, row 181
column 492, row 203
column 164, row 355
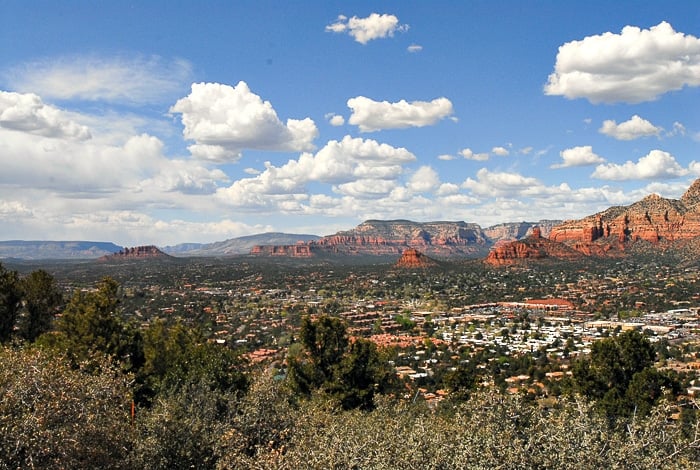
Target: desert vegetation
column 86, row 385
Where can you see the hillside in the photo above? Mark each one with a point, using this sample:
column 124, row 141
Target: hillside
column 237, row 246
column 654, row 219
column 439, row 239
column 650, row 226
column 534, row 247
column 134, row 253
column 35, row 250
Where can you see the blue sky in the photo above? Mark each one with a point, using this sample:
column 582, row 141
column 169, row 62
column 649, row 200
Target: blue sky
column 164, row 122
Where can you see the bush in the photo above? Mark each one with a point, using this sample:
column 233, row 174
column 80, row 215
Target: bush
column 54, row 416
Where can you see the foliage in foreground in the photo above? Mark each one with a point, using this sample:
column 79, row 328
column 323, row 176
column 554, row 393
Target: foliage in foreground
column 55, row 416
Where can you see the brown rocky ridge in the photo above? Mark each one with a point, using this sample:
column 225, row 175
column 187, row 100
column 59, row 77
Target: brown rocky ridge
column 412, row 258
column 137, row 252
column 654, row 223
column 300, row 250
column 654, row 219
column 440, row 240
column 534, row 247
column 508, row 232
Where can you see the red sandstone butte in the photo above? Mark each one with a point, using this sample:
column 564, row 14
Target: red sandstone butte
column 412, row 258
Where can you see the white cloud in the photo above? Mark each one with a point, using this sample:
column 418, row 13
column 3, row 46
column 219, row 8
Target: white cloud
column 352, row 165
column 678, row 129
column 470, row 155
column 525, row 150
column 372, row 115
column 45, row 149
column 224, row 120
column 134, row 80
column 366, row 188
column 10, row 210
column 446, row 157
column 130, row 228
column 490, row 184
column 633, row 66
column 500, row 151
column 375, row 26
column 447, row 189
column 657, row 164
column 28, row 113
column 423, row 180
column 578, row 156
column 336, row 120
column 414, row 48
column 186, row 177
column 635, row 128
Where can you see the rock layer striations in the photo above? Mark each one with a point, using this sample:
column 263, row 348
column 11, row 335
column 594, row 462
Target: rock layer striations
column 137, row 252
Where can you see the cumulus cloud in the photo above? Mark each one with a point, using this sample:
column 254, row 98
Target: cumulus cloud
column 489, row 183
column 578, row 156
column 447, row 189
column 423, row 180
column 470, row 155
column 28, row 113
column 633, row 66
column 12, row 209
column 44, row 150
column 133, row 227
column 657, row 164
column 335, row 120
column 414, row 48
column 678, row 129
column 366, row 188
column 635, row 128
column 500, row 151
column 363, row 30
column 372, row 115
column 135, row 80
column 352, row 165
column 446, row 157
column 223, row 120
column 186, row 177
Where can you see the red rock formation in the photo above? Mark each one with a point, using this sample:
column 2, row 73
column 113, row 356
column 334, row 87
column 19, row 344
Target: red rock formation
column 377, row 237
column 300, row 250
column 392, row 237
column 518, row 230
column 137, row 252
column 653, row 219
column 412, row 258
column 532, row 248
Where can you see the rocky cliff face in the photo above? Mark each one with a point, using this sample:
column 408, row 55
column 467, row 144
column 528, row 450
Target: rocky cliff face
column 412, row 258
column 390, row 237
column 508, row 232
column 300, row 250
column 534, row 247
column 137, row 252
column 653, row 219
column 440, row 240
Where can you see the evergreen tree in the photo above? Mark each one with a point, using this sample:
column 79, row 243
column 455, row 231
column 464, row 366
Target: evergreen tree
column 41, row 301
column 91, row 325
column 619, row 374
column 350, row 371
column 10, row 301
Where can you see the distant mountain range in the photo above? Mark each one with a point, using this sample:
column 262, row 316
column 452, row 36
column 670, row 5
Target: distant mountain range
column 653, row 223
column 236, row 246
column 35, row 250
column 388, row 238
column 464, row 238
